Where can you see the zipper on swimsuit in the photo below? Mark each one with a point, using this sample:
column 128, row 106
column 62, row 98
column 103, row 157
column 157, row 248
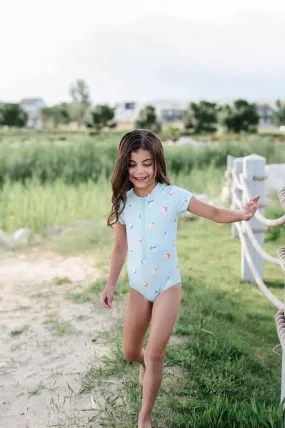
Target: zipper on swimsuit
column 143, row 229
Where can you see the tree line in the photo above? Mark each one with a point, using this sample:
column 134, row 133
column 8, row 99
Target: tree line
column 200, row 117
column 79, row 110
column 205, row 117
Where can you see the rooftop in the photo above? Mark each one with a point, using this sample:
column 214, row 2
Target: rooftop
column 31, row 101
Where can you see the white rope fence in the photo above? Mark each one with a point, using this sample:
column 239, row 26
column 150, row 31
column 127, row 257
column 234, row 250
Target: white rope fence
column 273, row 299
column 256, row 245
column 261, row 218
column 246, row 177
column 280, row 326
column 258, row 248
column 235, row 178
column 280, row 323
column 281, row 195
column 281, row 257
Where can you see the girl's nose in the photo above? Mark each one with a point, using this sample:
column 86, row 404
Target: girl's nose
column 139, row 170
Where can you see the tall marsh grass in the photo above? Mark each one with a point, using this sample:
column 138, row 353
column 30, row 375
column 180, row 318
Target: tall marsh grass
column 87, row 159
column 36, row 205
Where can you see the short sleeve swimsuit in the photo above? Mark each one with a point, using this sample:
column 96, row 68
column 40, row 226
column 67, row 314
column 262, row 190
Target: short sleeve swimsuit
column 151, row 226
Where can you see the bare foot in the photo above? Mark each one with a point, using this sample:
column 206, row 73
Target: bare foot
column 144, row 421
column 141, row 376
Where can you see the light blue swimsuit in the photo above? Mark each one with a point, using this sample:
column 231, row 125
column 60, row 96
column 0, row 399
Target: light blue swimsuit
column 151, row 226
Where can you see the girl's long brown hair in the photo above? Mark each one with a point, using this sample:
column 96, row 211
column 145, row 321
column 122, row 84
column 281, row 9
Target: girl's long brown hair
column 132, row 142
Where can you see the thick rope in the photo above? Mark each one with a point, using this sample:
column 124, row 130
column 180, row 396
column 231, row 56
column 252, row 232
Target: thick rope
column 273, row 299
column 280, row 326
column 259, row 216
column 279, row 317
column 281, row 257
column 258, row 247
column 236, row 181
column 254, row 241
column 281, row 195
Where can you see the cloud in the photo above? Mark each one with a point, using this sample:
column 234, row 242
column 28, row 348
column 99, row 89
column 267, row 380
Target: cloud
column 161, row 56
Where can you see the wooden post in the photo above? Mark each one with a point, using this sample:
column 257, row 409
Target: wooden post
column 254, row 175
column 238, row 166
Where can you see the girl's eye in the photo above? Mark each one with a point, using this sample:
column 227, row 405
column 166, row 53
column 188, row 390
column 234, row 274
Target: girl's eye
column 132, row 166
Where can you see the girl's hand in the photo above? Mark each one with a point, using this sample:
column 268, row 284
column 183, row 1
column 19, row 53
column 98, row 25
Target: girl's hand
column 251, row 208
column 106, row 297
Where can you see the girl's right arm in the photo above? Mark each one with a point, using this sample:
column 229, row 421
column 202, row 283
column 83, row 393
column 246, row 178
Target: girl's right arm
column 119, row 254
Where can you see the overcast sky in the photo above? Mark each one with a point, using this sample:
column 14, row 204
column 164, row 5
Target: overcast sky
column 143, row 50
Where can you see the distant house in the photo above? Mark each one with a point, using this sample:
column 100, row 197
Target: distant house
column 127, row 111
column 265, row 111
column 168, row 111
column 32, row 106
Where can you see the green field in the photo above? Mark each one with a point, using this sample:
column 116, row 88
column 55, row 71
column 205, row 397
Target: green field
column 223, row 364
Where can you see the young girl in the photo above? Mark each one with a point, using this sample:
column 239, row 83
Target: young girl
column 145, row 209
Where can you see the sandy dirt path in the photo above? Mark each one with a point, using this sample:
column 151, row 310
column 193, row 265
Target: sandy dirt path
column 47, row 342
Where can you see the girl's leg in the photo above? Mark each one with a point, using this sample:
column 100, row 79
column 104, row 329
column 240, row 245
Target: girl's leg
column 137, row 319
column 165, row 310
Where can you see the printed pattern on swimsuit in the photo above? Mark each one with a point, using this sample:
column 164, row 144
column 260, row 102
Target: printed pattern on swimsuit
column 151, row 227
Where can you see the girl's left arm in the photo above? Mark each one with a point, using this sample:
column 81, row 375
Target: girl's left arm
column 222, row 215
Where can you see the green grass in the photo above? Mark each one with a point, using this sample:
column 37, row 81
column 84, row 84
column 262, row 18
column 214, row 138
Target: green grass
column 223, row 366
column 35, row 205
column 81, row 158
column 227, row 363
column 91, row 294
column 58, row 326
column 19, row 331
column 59, row 280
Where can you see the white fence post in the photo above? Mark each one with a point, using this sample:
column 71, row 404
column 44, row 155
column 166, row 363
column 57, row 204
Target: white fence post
column 254, row 175
column 238, row 166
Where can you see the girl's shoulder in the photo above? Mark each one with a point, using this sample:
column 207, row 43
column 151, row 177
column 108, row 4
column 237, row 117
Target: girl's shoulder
column 175, row 189
column 179, row 192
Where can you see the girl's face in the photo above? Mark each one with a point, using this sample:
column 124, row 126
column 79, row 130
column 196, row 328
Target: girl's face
column 141, row 168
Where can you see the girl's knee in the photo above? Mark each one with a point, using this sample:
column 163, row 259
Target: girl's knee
column 154, row 358
column 131, row 356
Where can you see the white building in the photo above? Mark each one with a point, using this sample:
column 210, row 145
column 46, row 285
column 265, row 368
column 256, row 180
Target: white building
column 127, row 111
column 32, row 106
column 168, row 111
column 265, row 111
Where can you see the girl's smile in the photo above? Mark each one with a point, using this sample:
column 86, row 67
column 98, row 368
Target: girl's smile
column 140, row 179
column 141, row 172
